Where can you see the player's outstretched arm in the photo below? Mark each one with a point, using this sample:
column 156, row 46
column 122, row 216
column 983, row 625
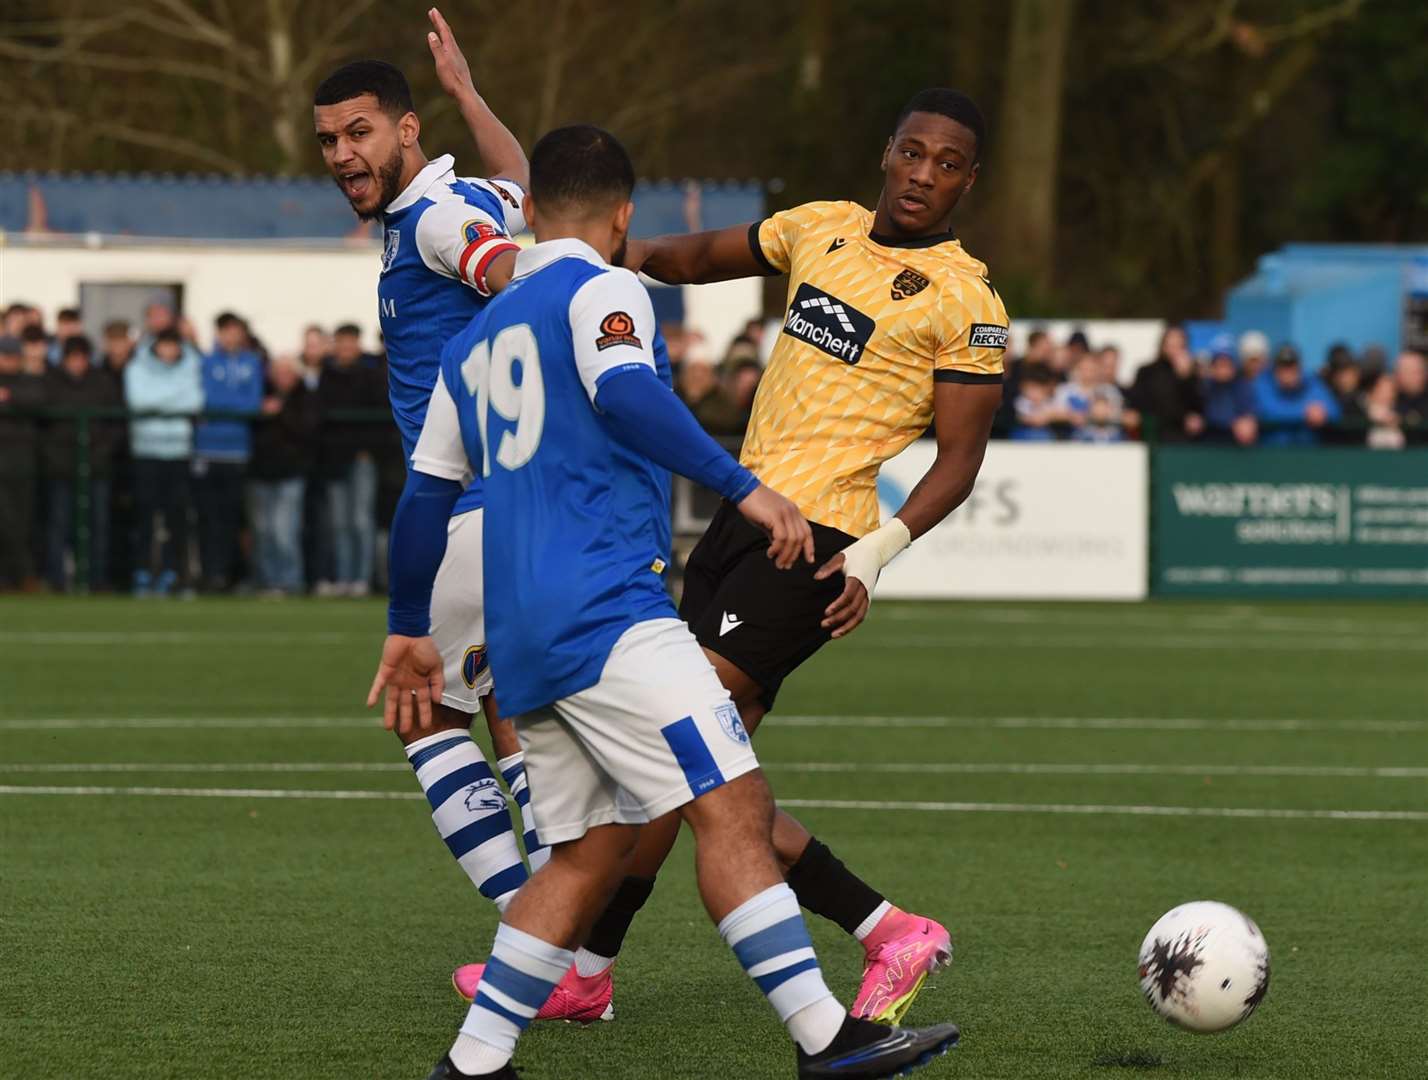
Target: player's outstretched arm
column 696, row 258
column 500, row 151
column 962, row 415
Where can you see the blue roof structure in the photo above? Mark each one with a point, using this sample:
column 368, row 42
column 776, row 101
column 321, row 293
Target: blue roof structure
column 283, row 208
column 1318, row 295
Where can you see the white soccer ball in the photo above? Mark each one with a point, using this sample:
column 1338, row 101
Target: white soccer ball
column 1204, row 966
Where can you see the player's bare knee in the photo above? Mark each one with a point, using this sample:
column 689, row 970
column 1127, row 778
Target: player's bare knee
column 603, row 852
column 741, row 808
column 443, row 718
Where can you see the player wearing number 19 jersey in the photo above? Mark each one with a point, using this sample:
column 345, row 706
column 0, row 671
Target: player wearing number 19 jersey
column 890, row 327
column 555, row 397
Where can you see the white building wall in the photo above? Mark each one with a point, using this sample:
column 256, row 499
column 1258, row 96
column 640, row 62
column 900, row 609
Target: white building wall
column 279, row 288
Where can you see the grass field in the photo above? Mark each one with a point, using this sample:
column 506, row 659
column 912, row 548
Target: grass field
column 1046, row 779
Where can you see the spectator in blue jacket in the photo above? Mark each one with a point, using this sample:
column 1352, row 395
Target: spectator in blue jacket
column 1229, row 398
column 232, row 383
column 1292, row 407
column 164, row 377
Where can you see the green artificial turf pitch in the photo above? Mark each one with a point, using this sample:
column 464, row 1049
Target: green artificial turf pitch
column 1046, row 779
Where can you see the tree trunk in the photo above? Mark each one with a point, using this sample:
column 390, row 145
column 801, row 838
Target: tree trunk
column 286, row 94
column 1225, row 224
column 1027, row 141
column 809, row 128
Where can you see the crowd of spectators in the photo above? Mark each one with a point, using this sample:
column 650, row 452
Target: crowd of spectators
column 720, row 393
column 1235, row 393
column 199, row 470
column 236, row 468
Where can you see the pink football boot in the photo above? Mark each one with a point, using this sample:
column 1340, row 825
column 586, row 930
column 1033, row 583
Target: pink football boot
column 575, row 999
column 902, row 951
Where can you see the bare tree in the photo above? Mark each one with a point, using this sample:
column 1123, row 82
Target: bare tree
column 1029, row 140
column 150, row 65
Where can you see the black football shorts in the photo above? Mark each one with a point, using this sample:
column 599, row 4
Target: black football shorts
column 763, row 620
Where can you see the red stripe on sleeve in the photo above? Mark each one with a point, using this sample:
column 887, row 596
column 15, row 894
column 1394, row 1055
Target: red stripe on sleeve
column 466, row 254
column 478, row 276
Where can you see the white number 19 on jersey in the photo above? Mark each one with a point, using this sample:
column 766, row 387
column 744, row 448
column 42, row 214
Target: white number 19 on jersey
column 490, row 377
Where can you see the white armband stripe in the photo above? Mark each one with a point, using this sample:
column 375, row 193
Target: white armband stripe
column 476, row 259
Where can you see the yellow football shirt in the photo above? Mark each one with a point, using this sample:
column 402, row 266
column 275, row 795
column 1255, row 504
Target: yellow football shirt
column 871, row 323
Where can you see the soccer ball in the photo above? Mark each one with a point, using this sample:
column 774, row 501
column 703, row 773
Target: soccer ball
column 1204, row 966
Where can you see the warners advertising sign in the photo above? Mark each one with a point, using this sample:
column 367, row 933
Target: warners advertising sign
column 1310, row 522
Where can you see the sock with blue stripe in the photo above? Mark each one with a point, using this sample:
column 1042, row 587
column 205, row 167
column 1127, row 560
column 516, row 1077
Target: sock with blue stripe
column 768, row 935
column 513, row 771
column 519, row 976
column 470, row 812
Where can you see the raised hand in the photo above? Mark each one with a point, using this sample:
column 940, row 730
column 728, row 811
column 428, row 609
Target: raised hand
column 452, row 70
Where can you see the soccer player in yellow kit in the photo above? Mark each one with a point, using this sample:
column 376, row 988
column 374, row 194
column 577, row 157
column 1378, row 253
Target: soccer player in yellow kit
column 891, row 327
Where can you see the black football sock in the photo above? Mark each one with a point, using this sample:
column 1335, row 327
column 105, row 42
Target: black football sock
column 608, row 934
column 826, row 887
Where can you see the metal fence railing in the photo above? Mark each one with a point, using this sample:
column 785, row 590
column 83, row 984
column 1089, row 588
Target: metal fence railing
column 692, row 507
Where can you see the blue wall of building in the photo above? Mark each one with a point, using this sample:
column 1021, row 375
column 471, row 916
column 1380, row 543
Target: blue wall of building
column 271, row 208
column 1316, row 295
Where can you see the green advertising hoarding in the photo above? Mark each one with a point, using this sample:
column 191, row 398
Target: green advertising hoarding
column 1292, row 522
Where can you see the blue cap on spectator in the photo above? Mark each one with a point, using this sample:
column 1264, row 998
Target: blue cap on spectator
column 1223, row 345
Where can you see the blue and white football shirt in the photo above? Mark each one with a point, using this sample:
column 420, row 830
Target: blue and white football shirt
column 578, row 531
column 441, row 235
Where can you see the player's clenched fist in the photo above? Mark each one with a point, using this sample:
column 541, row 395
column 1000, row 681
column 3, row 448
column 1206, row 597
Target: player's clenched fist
column 410, row 674
column 789, row 534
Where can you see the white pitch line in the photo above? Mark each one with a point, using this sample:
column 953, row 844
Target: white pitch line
column 913, row 768
column 1218, row 642
column 209, row 767
column 1176, row 622
column 998, row 723
column 207, row 793
column 181, row 723
column 1108, row 809
column 1077, row 769
column 1093, row 723
column 812, row 804
column 179, row 637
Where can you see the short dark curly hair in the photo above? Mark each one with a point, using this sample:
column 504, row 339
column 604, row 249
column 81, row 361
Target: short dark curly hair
column 376, row 77
column 580, row 167
column 952, row 104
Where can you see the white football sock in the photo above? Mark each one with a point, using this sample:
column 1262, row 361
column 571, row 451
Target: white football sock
column 588, row 963
column 768, row 935
column 868, row 925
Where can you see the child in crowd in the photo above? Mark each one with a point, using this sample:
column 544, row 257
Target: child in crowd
column 1035, row 409
column 1090, row 404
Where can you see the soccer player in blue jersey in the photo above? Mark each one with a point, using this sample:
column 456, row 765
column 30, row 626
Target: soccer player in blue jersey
column 447, row 247
column 553, row 400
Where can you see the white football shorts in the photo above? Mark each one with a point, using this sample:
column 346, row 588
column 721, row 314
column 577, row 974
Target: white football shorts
column 458, row 615
column 657, row 731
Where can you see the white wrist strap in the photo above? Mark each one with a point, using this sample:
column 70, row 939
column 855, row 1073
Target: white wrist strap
column 864, row 559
